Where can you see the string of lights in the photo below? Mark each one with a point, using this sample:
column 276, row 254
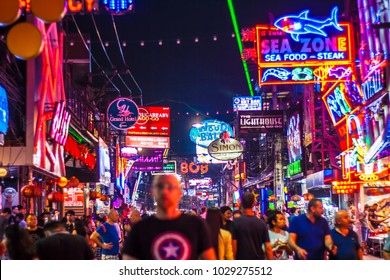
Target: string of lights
column 90, row 53
column 108, row 57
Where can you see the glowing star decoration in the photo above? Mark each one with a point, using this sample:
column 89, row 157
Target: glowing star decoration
column 297, row 25
column 279, row 73
column 302, row 74
column 118, row 7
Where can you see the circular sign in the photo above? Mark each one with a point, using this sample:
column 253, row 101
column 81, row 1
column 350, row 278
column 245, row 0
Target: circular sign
column 9, row 12
column 225, row 149
column 24, row 40
column 3, row 172
column 122, row 113
column 48, row 10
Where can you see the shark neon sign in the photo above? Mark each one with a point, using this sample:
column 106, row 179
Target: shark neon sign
column 297, row 25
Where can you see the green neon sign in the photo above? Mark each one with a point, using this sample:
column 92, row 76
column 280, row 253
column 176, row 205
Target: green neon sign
column 294, row 168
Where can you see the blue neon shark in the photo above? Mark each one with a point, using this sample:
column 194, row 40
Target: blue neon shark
column 300, row 24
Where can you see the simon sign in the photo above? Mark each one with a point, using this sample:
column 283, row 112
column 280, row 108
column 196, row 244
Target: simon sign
column 228, row 149
column 122, row 113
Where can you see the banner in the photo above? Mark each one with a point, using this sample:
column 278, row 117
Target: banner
column 260, row 121
column 152, row 121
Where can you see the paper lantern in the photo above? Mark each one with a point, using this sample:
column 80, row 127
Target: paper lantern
column 9, row 12
column 94, row 195
column 73, row 182
column 62, row 182
column 308, row 196
column 55, row 197
column 48, row 10
column 28, row 191
column 104, row 197
column 24, row 40
column 37, row 192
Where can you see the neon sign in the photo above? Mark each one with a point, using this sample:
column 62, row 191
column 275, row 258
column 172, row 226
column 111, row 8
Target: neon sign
column 294, row 138
column 4, row 113
column 76, row 6
column 207, row 131
column 374, row 82
column 296, row 25
column 294, row 168
column 118, row 6
column 302, row 74
column 275, row 48
column 60, row 123
column 193, row 168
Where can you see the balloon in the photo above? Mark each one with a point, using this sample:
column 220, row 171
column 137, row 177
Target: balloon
column 9, row 12
column 48, row 10
column 24, row 40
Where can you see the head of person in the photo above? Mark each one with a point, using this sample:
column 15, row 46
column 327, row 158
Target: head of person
column 195, row 210
column 342, row 219
column 6, row 212
column 99, row 221
column 214, row 220
column 236, row 214
column 366, row 207
column 276, row 219
column 247, row 201
column 226, row 213
column 32, row 221
column 191, row 213
column 167, row 191
column 53, row 227
column 19, row 243
column 113, row 216
column 293, row 210
column 15, row 210
column 315, row 208
column 19, row 217
column 375, row 206
column 70, row 216
column 352, row 209
column 203, row 209
column 135, row 216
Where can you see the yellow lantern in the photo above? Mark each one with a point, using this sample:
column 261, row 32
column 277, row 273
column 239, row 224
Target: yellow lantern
column 9, row 12
column 62, row 182
column 25, row 41
column 48, row 10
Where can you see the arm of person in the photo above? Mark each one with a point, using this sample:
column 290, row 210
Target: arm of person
column 208, row 254
column 95, row 238
column 268, row 251
column 234, row 246
column 386, row 255
column 302, row 253
column 128, row 257
column 360, row 253
column 228, row 247
column 329, row 244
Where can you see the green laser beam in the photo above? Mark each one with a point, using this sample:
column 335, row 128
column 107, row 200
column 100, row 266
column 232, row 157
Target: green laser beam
column 238, row 38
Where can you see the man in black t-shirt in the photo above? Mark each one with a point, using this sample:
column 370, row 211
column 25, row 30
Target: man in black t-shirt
column 33, row 229
column 250, row 233
column 169, row 235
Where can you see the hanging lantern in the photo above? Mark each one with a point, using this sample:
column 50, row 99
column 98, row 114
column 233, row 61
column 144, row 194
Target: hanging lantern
column 295, row 197
column 62, row 182
column 104, row 197
column 73, row 182
column 28, row 190
column 271, row 198
column 37, row 192
column 55, row 197
column 94, row 195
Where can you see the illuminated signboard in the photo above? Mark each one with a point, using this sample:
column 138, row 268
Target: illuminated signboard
column 194, row 168
column 324, row 44
column 228, row 149
column 303, row 74
column 76, row 6
column 294, row 168
column 148, row 142
column 122, row 113
column 149, row 160
column 168, row 168
column 104, row 163
column 60, row 123
column 294, row 143
column 118, row 6
column 152, row 121
column 260, row 121
column 374, row 82
column 203, row 156
column 3, row 111
column 207, row 131
column 246, row 103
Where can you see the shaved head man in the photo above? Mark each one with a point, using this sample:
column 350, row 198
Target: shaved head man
column 169, row 235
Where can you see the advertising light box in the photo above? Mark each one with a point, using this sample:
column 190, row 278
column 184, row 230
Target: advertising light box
column 246, row 103
column 260, row 121
column 152, row 121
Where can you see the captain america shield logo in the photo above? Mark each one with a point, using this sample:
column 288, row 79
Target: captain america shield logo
column 171, row 246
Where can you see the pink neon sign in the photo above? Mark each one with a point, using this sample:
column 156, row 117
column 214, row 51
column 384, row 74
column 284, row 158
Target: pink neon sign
column 60, row 124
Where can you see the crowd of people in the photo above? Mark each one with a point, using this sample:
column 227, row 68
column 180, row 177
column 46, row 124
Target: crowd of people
column 170, row 234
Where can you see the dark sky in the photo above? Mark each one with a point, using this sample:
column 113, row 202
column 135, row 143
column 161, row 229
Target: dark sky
column 204, row 75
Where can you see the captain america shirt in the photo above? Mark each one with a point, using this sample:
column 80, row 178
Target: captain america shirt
column 183, row 238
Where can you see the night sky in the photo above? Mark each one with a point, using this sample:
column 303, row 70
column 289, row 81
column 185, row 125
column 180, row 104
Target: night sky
column 204, row 75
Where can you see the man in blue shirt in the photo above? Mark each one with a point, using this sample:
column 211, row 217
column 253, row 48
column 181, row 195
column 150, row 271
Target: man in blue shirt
column 109, row 234
column 309, row 234
column 346, row 240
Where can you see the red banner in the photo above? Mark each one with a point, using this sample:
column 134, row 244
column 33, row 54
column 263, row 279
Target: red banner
column 152, row 121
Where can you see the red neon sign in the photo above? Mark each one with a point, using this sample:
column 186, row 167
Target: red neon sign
column 76, row 6
column 60, row 124
column 152, row 121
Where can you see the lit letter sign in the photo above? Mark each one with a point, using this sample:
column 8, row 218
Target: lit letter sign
column 60, row 124
column 373, row 83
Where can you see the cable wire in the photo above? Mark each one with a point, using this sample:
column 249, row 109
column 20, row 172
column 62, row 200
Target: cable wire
column 90, row 53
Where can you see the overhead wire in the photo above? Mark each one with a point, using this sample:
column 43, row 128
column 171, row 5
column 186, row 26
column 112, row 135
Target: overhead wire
column 123, row 58
column 108, row 57
column 90, row 53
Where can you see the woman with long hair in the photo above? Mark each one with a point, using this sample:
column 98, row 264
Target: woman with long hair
column 19, row 243
column 221, row 239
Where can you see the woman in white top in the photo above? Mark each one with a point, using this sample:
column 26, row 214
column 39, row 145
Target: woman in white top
column 278, row 237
